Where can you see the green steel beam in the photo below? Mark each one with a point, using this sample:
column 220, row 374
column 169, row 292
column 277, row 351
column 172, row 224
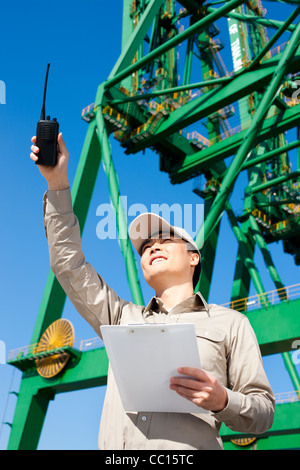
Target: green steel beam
column 90, row 372
column 266, row 255
column 269, row 155
column 168, row 91
column 29, row 417
column 293, row 373
column 188, row 62
column 273, row 40
column 290, row 366
column 36, row 392
column 192, row 6
column 195, row 28
column 51, row 307
column 208, row 254
column 274, row 24
column 246, row 249
column 277, row 326
column 236, row 165
column 136, row 38
column 242, row 85
column 197, row 162
column 285, row 442
column 126, row 23
column 86, row 175
column 213, row 129
column 286, row 421
column 246, row 252
column 126, row 247
column 275, row 182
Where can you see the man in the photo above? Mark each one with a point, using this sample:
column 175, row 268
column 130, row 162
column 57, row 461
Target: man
column 231, row 385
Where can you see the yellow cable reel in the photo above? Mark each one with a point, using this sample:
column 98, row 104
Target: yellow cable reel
column 59, row 334
column 244, row 441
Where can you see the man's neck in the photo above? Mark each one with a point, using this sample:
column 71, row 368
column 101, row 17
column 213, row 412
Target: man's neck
column 172, row 296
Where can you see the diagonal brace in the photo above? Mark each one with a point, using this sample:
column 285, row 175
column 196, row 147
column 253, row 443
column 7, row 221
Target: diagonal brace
column 250, row 139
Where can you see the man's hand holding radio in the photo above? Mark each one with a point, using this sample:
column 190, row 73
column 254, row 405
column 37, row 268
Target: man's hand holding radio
column 56, row 176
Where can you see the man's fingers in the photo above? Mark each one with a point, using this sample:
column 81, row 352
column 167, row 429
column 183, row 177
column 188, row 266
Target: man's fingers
column 187, row 383
column 193, row 372
column 197, row 397
column 35, row 149
column 61, row 144
column 34, row 157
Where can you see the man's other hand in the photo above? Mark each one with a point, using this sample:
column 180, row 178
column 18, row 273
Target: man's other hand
column 200, row 388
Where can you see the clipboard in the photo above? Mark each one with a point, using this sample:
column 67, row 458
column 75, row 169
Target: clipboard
column 144, row 357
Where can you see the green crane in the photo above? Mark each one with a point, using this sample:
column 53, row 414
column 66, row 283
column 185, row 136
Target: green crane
column 196, row 126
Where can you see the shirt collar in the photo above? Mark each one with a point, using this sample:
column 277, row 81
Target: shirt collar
column 190, row 304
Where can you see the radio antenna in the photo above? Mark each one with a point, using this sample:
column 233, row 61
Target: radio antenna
column 43, row 112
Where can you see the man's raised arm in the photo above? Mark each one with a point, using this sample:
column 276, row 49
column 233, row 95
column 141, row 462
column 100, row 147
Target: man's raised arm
column 90, row 295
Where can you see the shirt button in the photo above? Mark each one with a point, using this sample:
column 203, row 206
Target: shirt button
column 144, row 418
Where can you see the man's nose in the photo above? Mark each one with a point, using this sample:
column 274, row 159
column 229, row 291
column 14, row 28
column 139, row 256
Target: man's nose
column 155, row 247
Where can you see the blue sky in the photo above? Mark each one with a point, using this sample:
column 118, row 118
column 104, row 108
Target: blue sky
column 82, row 41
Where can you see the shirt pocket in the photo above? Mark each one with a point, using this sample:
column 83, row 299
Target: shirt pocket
column 210, row 346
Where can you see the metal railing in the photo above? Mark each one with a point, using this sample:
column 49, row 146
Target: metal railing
column 242, row 305
column 264, row 299
column 287, row 397
column 28, row 352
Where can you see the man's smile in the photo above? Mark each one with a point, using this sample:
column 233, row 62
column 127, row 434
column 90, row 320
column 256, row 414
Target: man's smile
column 157, row 259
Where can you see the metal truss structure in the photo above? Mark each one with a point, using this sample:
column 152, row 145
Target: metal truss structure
column 233, row 118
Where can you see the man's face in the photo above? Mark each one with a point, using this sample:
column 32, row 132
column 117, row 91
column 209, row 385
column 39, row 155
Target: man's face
column 166, row 262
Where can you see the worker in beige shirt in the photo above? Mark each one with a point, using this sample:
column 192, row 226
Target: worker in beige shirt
column 231, row 384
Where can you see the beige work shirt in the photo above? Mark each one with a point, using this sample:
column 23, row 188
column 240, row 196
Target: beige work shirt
column 227, row 346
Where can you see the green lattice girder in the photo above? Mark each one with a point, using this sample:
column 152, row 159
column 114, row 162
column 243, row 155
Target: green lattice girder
column 36, row 392
column 137, row 36
column 196, row 163
column 240, row 86
column 277, row 326
column 175, row 41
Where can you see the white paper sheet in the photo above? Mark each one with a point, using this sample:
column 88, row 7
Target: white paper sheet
column 144, row 357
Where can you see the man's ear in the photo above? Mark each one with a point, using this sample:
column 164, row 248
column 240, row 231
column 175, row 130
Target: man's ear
column 195, row 258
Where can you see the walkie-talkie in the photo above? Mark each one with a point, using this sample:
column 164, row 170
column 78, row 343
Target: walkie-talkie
column 46, row 135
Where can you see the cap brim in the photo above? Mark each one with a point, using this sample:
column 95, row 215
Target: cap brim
column 148, row 225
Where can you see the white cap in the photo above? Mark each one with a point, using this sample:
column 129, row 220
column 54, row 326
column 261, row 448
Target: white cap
column 149, row 225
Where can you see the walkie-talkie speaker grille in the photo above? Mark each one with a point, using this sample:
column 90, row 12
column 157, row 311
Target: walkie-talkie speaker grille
column 47, row 131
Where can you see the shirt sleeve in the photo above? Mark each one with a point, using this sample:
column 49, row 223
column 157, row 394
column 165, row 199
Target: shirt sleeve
column 90, row 295
column 251, row 403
